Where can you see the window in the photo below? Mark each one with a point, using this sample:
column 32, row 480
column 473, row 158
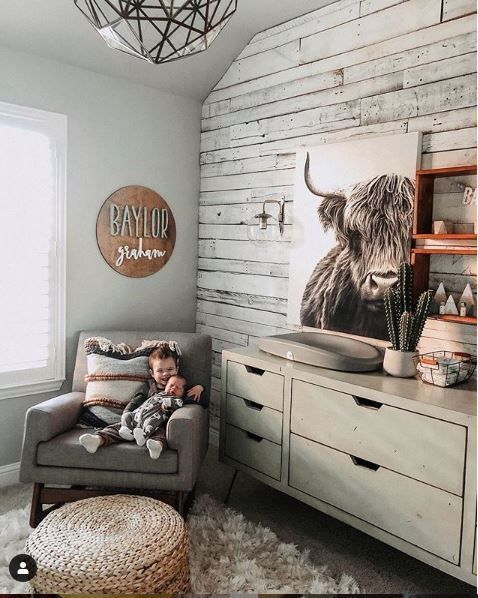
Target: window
column 32, row 263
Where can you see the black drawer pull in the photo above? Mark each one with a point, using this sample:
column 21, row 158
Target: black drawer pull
column 368, row 403
column 254, row 437
column 363, row 463
column 256, row 371
column 252, row 405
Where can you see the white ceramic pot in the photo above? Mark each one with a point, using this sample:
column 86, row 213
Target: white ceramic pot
column 400, row 363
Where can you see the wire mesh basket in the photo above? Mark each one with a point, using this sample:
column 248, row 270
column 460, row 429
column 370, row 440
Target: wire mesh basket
column 445, row 368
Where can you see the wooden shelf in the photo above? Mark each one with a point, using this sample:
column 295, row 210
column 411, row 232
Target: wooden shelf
column 422, row 225
column 458, row 319
column 451, row 237
column 444, row 251
column 448, row 171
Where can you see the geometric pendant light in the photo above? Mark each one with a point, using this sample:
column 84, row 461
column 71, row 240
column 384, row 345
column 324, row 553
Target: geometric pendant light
column 158, row 30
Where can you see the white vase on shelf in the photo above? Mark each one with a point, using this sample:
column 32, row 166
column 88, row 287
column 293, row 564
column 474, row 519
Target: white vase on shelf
column 400, row 364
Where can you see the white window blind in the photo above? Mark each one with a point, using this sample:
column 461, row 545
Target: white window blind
column 32, row 198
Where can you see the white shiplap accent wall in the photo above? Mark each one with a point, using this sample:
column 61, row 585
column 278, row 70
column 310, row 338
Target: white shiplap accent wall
column 352, row 69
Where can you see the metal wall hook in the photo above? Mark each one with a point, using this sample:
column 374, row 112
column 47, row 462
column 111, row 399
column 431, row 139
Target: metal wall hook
column 281, row 203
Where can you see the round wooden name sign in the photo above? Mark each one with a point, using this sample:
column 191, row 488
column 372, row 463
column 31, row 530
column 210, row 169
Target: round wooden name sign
column 136, row 231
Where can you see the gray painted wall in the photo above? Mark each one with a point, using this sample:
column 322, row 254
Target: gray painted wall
column 119, row 133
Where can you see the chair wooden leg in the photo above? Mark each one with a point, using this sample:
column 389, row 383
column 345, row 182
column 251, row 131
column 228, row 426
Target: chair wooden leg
column 36, row 511
column 180, row 503
column 51, row 508
column 189, row 501
column 59, row 496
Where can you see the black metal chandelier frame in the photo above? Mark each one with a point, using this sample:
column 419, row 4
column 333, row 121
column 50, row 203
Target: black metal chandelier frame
column 134, row 13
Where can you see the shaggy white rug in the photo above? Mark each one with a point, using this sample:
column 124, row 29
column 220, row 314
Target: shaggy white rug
column 228, row 554
column 14, row 530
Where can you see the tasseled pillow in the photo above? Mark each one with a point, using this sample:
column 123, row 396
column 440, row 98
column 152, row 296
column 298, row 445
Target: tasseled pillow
column 115, row 374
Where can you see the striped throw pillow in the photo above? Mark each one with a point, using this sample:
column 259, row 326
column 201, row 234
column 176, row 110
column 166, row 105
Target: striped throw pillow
column 115, row 374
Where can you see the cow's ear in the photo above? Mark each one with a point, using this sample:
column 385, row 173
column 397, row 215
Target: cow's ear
column 331, row 215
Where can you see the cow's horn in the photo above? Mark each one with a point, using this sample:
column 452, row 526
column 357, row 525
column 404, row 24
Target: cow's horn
column 310, row 184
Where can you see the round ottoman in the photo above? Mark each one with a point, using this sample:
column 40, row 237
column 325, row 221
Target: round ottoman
column 111, row 545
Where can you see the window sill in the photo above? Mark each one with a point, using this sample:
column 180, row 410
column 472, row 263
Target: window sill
column 34, row 388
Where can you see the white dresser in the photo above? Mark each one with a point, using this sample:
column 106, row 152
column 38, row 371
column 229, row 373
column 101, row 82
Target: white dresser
column 395, row 458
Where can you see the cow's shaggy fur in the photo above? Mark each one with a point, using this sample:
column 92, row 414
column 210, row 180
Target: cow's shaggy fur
column 371, row 222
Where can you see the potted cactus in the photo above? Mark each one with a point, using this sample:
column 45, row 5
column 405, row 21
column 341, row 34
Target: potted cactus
column 404, row 327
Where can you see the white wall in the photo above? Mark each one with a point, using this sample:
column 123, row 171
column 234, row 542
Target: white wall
column 354, row 68
column 119, row 134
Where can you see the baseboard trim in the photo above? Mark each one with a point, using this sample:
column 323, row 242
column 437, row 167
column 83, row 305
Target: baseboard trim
column 214, row 437
column 9, row 474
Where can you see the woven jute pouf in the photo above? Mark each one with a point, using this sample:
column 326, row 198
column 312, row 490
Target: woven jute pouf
column 111, row 545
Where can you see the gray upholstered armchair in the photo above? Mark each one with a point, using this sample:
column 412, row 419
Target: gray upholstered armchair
column 52, row 455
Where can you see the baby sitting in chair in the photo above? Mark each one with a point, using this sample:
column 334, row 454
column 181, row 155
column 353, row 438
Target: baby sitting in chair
column 144, row 421
column 149, row 419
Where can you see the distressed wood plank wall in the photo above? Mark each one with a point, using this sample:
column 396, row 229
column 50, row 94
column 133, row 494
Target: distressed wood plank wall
column 353, row 69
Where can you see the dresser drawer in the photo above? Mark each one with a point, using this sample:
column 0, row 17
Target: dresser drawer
column 418, row 446
column 253, row 451
column 255, row 418
column 255, row 384
column 416, row 512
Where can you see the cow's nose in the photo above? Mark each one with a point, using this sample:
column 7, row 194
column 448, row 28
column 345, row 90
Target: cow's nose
column 379, row 283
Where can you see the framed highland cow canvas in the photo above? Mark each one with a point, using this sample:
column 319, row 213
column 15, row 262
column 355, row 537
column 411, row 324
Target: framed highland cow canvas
column 353, row 210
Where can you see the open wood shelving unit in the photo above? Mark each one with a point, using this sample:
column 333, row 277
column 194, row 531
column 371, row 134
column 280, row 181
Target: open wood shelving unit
column 422, row 229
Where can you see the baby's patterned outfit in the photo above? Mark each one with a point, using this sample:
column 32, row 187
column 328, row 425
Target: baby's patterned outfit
column 153, row 414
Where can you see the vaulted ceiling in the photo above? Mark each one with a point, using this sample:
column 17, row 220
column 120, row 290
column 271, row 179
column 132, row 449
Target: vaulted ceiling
column 55, row 29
